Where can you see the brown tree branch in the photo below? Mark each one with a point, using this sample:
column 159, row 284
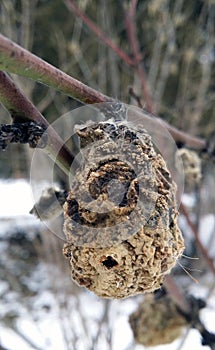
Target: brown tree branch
column 186, row 139
column 15, row 59
column 22, row 110
column 135, row 96
column 98, row 32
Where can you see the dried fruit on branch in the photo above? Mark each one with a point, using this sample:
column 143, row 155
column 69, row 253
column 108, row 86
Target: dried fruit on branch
column 156, row 322
column 120, row 214
column 28, row 132
column 192, row 168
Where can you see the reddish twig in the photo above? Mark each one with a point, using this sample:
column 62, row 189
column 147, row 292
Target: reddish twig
column 194, row 230
column 20, row 108
column 98, row 32
column 186, row 139
column 132, row 37
column 179, row 136
column 135, row 96
column 176, row 294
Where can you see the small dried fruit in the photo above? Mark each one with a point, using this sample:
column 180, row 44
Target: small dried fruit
column 156, row 322
column 49, row 204
column 192, row 168
column 120, row 213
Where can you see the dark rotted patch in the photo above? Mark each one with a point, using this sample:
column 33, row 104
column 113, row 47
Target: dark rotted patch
column 72, row 207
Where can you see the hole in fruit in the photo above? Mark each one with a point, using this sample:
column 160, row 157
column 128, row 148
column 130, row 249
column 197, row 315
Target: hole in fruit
column 109, row 262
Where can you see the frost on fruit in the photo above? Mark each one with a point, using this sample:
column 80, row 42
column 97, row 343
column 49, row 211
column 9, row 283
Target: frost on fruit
column 120, row 214
column 156, row 322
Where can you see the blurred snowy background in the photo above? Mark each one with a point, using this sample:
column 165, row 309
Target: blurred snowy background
column 40, row 307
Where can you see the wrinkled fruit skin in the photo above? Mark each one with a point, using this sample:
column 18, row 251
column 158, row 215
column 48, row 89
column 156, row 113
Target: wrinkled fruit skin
column 106, row 254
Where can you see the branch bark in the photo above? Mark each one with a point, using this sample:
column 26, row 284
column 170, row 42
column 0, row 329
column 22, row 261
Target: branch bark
column 22, row 110
column 15, row 59
column 176, row 294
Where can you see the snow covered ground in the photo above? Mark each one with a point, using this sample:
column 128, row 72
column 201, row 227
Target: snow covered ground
column 35, row 313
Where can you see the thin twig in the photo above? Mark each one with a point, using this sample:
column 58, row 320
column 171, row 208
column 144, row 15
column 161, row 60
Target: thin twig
column 185, row 138
column 194, row 230
column 133, row 40
column 27, row 339
column 15, row 59
column 179, row 136
column 176, row 294
column 135, row 96
column 98, row 32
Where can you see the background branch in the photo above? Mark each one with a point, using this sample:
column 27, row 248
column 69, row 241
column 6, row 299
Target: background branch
column 176, row 294
column 133, row 40
column 203, row 250
column 98, row 32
